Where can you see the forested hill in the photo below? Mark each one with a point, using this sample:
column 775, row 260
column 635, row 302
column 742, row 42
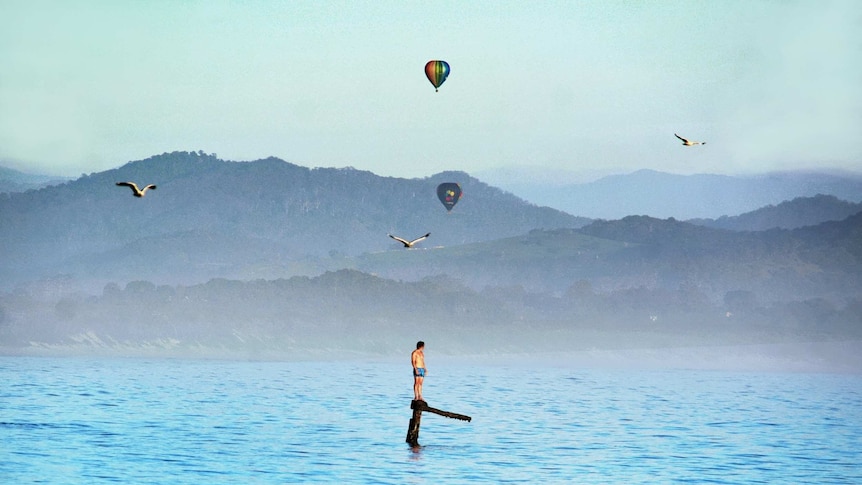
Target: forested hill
column 823, row 261
column 791, row 214
column 209, row 216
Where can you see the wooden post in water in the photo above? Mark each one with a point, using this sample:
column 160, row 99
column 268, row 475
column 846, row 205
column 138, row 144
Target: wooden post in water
column 418, row 406
column 413, row 428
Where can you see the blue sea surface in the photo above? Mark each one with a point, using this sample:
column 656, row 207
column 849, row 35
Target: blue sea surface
column 81, row 420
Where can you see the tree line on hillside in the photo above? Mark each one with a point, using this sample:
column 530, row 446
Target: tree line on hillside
column 792, row 214
column 353, row 310
column 637, row 251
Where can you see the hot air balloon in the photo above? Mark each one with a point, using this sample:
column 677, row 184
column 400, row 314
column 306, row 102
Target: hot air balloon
column 437, row 71
column 449, row 193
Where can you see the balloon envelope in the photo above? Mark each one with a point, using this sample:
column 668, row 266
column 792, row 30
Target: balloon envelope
column 449, row 193
column 437, row 71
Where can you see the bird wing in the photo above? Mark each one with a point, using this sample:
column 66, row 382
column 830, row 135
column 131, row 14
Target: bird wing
column 419, row 239
column 681, row 138
column 128, row 184
column 402, row 241
column 151, row 186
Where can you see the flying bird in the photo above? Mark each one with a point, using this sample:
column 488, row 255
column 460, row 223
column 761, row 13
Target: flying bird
column 689, row 143
column 135, row 190
column 406, row 243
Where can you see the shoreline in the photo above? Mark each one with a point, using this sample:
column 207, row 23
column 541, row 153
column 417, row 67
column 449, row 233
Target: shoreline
column 838, row 356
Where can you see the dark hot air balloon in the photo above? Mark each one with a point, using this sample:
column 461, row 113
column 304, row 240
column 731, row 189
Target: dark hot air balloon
column 437, row 71
column 449, row 193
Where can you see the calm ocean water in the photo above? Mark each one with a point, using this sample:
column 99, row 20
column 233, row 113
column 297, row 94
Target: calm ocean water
column 177, row 421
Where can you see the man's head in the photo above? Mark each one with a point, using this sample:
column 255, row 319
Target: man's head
column 420, row 344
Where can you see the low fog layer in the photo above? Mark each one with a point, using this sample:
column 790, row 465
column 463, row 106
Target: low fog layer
column 349, row 313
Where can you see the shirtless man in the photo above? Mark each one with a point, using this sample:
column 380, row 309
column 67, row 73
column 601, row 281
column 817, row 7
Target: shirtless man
column 417, row 358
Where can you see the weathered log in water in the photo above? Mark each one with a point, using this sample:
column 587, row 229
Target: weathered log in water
column 418, row 406
column 446, row 413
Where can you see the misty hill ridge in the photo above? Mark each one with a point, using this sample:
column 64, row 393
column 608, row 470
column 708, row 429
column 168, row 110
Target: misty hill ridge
column 270, row 219
column 12, row 180
column 644, row 252
column 844, row 235
column 210, row 216
column 663, row 195
column 638, row 281
column 799, row 212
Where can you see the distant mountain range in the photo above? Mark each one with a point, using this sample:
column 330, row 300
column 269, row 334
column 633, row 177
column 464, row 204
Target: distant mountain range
column 267, row 256
column 14, row 181
column 213, row 218
column 663, row 195
column 271, row 219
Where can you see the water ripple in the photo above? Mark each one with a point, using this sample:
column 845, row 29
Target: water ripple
column 150, row 421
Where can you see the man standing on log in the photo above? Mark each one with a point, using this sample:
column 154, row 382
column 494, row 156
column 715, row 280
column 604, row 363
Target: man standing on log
column 418, row 360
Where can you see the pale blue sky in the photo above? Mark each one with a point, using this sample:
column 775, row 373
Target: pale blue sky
column 598, row 86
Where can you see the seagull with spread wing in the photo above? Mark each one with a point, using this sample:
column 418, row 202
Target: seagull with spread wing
column 406, row 243
column 135, row 190
column 689, row 143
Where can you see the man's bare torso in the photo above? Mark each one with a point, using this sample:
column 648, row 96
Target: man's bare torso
column 418, row 358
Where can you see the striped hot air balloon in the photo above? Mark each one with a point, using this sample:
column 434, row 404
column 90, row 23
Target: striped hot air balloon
column 437, row 71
